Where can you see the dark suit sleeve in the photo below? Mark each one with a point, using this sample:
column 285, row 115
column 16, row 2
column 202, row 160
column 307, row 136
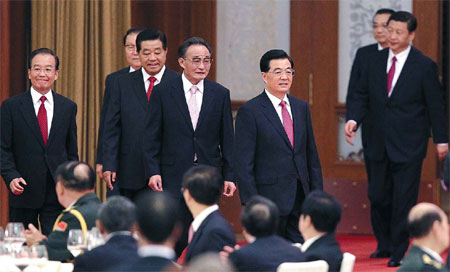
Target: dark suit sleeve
column 358, row 97
column 81, row 264
column 314, row 168
column 244, row 153
column 153, row 135
column 226, row 139
column 108, row 85
column 434, row 100
column 8, row 166
column 71, row 141
column 355, row 74
column 112, row 131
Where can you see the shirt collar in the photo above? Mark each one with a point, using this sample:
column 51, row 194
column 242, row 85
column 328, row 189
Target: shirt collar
column 187, row 84
column 157, row 250
column 202, row 216
column 131, row 69
column 158, row 75
column 310, row 241
column 401, row 57
column 112, row 234
column 275, row 100
column 36, row 96
column 380, row 47
column 432, row 254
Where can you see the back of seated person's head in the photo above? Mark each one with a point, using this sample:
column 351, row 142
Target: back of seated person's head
column 324, row 211
column 208, row 262
column 118, row 213
column 76, row 176
column 156, row 215
column 260, row 217
column 204, row 183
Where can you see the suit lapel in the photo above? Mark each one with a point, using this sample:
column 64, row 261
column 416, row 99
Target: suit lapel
column 30, row 116
column 271, row 114
column 405, row 73
column 208, row 96
column 139, row 88
column 296, row 115
column 198, row 234
column 58, row 114
column 179, row 97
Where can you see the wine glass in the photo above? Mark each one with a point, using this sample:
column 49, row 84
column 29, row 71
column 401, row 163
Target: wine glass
column 22, row 257
column 40, row 255
column 76, row 242
column 95, row 239
column 15, row 235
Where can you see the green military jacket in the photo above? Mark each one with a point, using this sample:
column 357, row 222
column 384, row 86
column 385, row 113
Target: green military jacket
column 419, row 260
column 81, row 215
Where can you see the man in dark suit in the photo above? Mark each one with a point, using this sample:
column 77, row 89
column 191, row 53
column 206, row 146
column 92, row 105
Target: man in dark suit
column 116, row 220
column 320, row 216
column 75, row 182
column 158, row 231
column 38, row 133
column 131, row 53
column 189, row 123
column 275, row 153
column 397, row 101
column 266, row 250
column 210, row 231
column 428, row 226
column 126, row 114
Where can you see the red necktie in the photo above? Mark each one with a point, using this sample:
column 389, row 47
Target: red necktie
column 42, row 119
column 390, row 76
column 150, row 88
column 287, row 122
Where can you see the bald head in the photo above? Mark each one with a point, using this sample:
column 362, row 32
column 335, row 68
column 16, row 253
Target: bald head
column 76, row 176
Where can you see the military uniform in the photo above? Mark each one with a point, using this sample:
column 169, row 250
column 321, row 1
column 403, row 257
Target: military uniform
column 419, row 260
column 81, row 215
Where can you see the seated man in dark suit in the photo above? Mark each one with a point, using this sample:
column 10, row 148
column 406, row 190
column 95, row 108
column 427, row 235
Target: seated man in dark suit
column 266, row 250
column 428, row 226
column 158, row 232
column 202, row 187
column 116, row 218
column 75, row 191
column 320, row 216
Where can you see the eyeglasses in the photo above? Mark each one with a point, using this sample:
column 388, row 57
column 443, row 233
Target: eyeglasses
column 130, row 47
column 279, row 72
column 197, row 61
column 46, row 70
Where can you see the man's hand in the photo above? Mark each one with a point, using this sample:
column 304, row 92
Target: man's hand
column 15, row 186
column 226, row 252
column 33, row 235
column 350, row 131
column 229, row 188
column 155, row 183
column 99, row 170
column 108, row 177
column 442, row 150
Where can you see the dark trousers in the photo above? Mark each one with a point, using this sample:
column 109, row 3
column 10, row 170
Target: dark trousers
column 42, row 217
column 115, row 191
column 288, row 225
column 393, row 191
column 132, row 194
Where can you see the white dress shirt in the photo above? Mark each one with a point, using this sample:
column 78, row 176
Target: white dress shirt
column 48, row 104
column 309, row 242
column 146, row 77
column 276, row 104
column 401, row 59
column 433, row 254
column 187, row 91
column 156, row 250
column 202, row 216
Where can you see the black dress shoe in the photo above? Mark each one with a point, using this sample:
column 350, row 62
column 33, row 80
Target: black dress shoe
column 394, row 263
column 380, row 254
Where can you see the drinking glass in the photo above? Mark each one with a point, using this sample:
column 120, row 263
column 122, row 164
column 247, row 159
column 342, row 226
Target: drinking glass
column 39, row 256
column 95, row 239
column 22, row 257
column 76, row 242
column 15, row 235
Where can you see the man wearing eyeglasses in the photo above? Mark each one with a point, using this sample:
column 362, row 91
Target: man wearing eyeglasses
column 275, row 153
column 129, row 43
column 126, row 114
column 190, row 123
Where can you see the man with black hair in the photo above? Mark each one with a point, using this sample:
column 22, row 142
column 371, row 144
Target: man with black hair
column 75, row 183
column 275, row 153
column 126, row 114
column 116, row 220
column 398, row 101
column 428, row 226
column 158, row 231
column 210, row 231
column 320, row 216
column 189, row 123
column 132, row 56
column 38, row 133
column 266, row 250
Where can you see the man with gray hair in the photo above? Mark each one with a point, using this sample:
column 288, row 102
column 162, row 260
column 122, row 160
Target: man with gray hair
column 116, row 220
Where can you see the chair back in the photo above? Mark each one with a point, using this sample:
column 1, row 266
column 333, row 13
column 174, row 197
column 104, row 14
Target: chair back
column 315, row 266
column 348, row 261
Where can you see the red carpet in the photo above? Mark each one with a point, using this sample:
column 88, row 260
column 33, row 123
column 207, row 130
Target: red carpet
column 361, row 246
